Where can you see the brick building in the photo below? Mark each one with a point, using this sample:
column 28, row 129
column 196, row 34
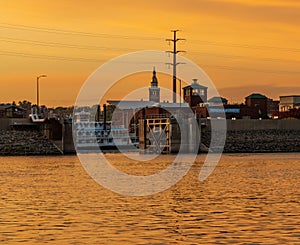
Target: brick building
column 195, row 94
column 289, row 102
column 259, row 102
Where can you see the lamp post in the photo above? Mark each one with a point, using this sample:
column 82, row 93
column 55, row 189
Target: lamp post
column 37, row 90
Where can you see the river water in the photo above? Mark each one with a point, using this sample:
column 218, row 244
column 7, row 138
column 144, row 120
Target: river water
column 248, row 199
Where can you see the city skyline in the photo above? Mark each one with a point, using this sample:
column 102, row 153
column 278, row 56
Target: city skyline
column 243, row 46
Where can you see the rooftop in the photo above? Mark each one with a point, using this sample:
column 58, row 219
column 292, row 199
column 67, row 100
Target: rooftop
column 195, row 85
column 256, row 96
column 6, row 106
column 136, row 104
column 283, row 96
column 217, row 99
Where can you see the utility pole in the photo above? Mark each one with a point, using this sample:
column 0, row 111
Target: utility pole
column 175, row 63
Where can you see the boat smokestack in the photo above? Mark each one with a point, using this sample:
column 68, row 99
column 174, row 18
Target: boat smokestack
column 104, row 116
column 98, row 113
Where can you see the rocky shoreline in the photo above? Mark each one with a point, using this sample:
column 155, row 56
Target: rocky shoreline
column 239, row 140
column 25, row 143
column 259, row 141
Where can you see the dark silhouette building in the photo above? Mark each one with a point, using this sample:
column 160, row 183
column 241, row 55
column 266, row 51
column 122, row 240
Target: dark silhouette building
column 195, row 94
column 217, row 101
column 11, row 111
column 272, row 107
column 259, row 102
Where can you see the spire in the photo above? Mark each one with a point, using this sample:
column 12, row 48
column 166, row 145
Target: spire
column 154, row 90
column 154, row 82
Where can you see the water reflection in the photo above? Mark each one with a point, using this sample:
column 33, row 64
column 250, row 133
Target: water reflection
column 249, row 199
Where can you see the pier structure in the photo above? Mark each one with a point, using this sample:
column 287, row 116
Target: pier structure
column 169, row 134
column 155, row 135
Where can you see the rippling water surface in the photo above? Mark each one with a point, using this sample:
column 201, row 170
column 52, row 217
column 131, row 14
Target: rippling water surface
column 249, row 199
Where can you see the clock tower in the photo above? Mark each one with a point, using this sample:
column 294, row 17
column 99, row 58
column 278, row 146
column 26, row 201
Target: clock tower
column 154, row 90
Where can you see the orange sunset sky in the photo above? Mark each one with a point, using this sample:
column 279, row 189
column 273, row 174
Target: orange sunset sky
column 244, row 46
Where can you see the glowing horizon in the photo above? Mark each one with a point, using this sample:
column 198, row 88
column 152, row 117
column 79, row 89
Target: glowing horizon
column 244, row 46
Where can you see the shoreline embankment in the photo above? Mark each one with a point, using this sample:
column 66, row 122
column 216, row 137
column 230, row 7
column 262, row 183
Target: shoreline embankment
column 26, row 143
column 259, row 136
column 243, row 136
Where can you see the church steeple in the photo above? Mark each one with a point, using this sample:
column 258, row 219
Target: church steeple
column 154, row 82
column 154, row 90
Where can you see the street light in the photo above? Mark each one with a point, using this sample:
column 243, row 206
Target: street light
column 37, row 90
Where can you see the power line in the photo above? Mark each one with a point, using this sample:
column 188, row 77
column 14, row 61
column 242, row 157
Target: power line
column 42, row 56
column 242, row 57
column 86, row 47
column 63, row 45
column 238, row 45
column 65, row 58
column 72, row 32
column 80, row 59
column 105, row 35
column 245, row 69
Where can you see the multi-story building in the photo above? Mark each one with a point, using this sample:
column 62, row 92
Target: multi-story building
column 289, row 102
column 195, row 94
column 259, row 102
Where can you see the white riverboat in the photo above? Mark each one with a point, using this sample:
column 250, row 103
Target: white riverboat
column 90, row 136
